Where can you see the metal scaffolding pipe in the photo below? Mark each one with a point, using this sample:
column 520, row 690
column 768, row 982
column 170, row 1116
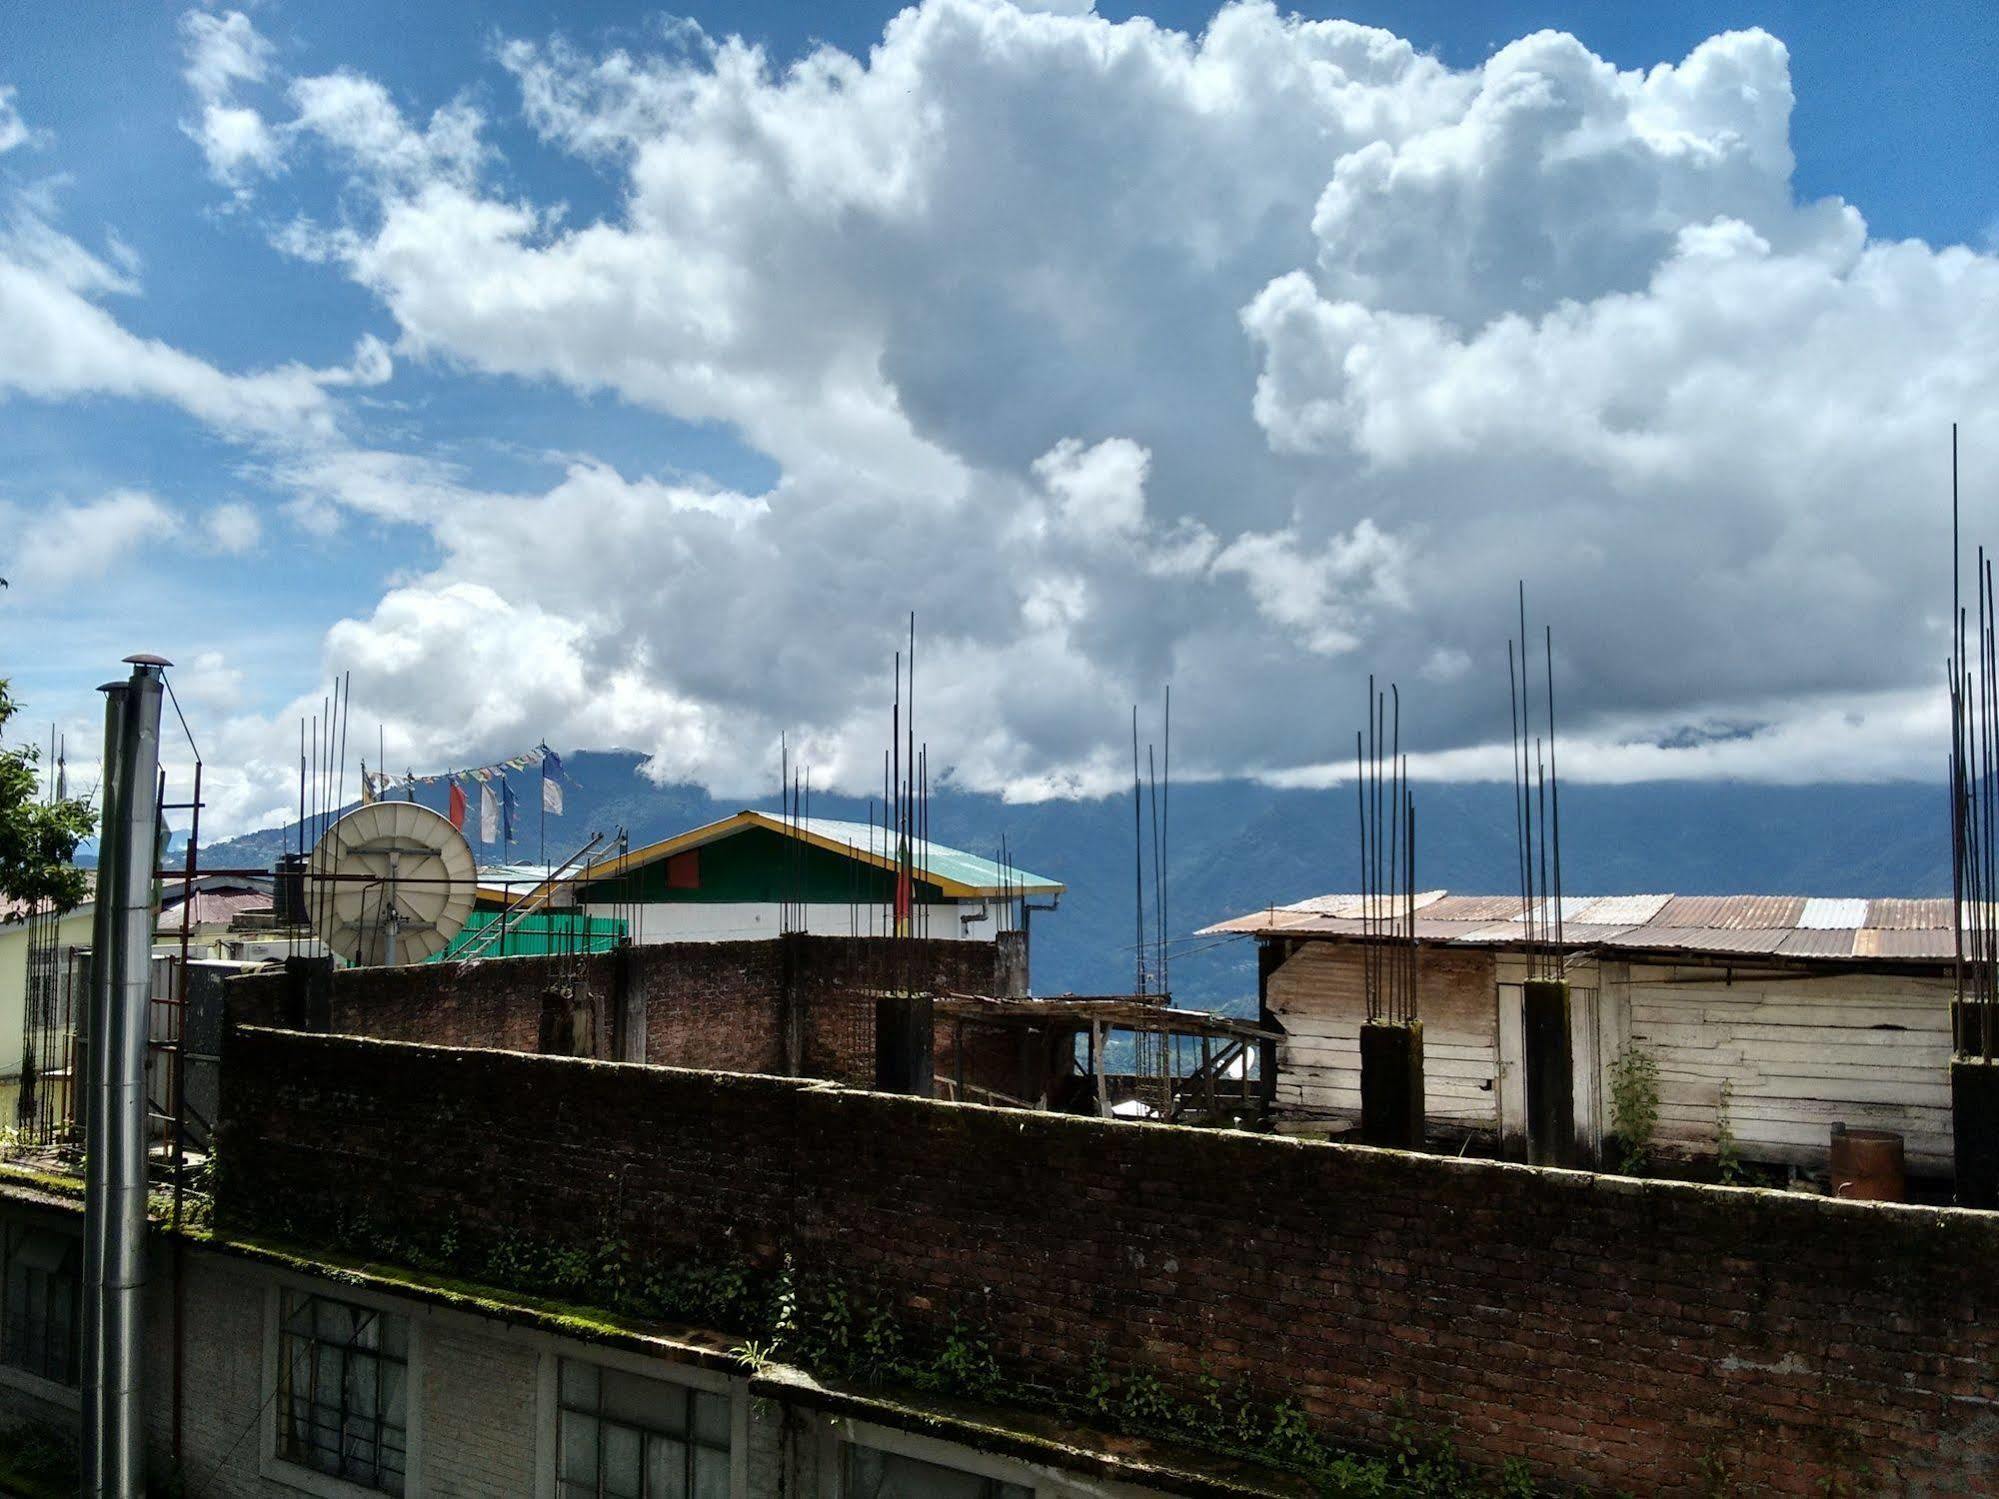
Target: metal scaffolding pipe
column 117, row 1441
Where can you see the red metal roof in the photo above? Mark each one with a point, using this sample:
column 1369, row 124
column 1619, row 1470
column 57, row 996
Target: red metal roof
column 214, row 907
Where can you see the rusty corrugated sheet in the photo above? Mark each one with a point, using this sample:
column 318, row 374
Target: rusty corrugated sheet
column 1775, row 926
column 1429, row 929
column 1474, row 908
column 1732, row 912
column 1818, row 942
column 1590, row 933
column 1924, row 944
column 1701, row 938
column 1909, row 915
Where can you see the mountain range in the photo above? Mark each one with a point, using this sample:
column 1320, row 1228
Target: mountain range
column 1235, row 846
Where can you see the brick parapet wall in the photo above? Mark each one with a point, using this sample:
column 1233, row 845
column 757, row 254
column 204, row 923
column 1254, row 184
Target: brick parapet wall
column 712, row 1005
column 1616, row 1333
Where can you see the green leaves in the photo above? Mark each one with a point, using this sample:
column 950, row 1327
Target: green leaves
column 38, row 838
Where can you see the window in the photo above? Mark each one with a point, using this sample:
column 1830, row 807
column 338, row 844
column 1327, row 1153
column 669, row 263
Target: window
column 343, row 1374
column 627, row 1437
column 683, row 871
column 871, row 1473
column 39, row 1308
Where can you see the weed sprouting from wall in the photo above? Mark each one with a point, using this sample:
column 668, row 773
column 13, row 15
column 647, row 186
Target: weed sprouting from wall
column 1727, row 1154
column 1634, row 1106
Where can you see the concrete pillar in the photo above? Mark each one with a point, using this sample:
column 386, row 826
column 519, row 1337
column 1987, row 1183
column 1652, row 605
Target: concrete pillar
column 308, row 1003
column 1391, row 1084
column 791, row 1002
column 1551, row 1084
column 1010, row 979
column 1271, row 954
column 905, row 1058
column 1974, row 1112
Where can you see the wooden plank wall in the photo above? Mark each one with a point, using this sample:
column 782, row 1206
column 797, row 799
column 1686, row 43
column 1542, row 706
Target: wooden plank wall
column 1802, row 1052
column 1317, row 996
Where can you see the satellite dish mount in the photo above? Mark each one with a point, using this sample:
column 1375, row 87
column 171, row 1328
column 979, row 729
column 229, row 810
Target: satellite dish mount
column 390, row 883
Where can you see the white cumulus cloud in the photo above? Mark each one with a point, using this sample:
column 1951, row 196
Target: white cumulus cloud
column 1257, row 358
column 77, row 541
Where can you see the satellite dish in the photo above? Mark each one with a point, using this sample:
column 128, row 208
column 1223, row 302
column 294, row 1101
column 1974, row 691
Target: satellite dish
column 390, row 883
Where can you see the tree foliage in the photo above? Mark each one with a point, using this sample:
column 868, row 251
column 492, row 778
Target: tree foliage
column 38, row 837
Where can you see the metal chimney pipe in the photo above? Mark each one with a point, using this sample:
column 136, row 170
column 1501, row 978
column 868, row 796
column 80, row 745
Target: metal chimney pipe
column 97, row 1058
column 114, row 1454
column 124, row 1472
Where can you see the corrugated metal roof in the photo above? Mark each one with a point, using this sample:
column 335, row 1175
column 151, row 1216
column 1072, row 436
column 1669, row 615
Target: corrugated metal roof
column 934, row 861
column 214, row 908
column 1908, row 915
column 1903, row 943
column 1354, row 905
column 1474, row 908
column 1826, row 915
column 1734, row 912
column 1824, row 929
column 1819, row 942
column 1702, row 938
column 1621, row 910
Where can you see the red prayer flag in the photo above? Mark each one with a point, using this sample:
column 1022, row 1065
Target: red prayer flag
column 457, row 806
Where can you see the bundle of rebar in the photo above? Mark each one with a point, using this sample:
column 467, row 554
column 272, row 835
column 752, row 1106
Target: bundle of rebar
column 1387, row 860
column 1537, row 807
column 1152, row 969
column 1973, row 673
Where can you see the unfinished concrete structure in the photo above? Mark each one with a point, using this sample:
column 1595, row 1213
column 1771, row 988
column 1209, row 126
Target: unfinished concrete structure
column 1774, row 1017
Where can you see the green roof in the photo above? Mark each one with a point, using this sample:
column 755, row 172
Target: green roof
column 934, row 861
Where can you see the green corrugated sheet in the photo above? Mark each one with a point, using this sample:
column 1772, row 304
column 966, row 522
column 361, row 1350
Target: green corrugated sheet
column 553, row 932
column 934, row 859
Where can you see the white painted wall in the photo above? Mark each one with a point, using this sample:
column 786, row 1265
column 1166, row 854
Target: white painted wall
column 72, row 931
column 733, row 921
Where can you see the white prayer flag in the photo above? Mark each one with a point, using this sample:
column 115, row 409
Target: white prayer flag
column 489, row 815
column 551, row 781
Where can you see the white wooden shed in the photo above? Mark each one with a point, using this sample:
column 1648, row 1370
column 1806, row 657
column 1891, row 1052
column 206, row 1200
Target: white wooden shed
column 1779, row 1016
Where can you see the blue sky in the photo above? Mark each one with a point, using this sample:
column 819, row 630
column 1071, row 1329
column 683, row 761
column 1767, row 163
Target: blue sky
column 1075, row 429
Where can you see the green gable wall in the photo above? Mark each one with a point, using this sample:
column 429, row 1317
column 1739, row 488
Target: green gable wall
column 758, row 866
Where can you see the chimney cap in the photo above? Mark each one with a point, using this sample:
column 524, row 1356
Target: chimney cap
column 144, row 659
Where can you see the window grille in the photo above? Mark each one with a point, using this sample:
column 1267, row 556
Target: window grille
column 627, row 1437
column 871, row 1473
column 40, row 1307
column 343, row 1377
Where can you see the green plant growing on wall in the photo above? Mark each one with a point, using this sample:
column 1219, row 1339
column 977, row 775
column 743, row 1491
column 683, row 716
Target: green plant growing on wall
column 843, row 1328
column 1728, row 1158
column 1634, row 1106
